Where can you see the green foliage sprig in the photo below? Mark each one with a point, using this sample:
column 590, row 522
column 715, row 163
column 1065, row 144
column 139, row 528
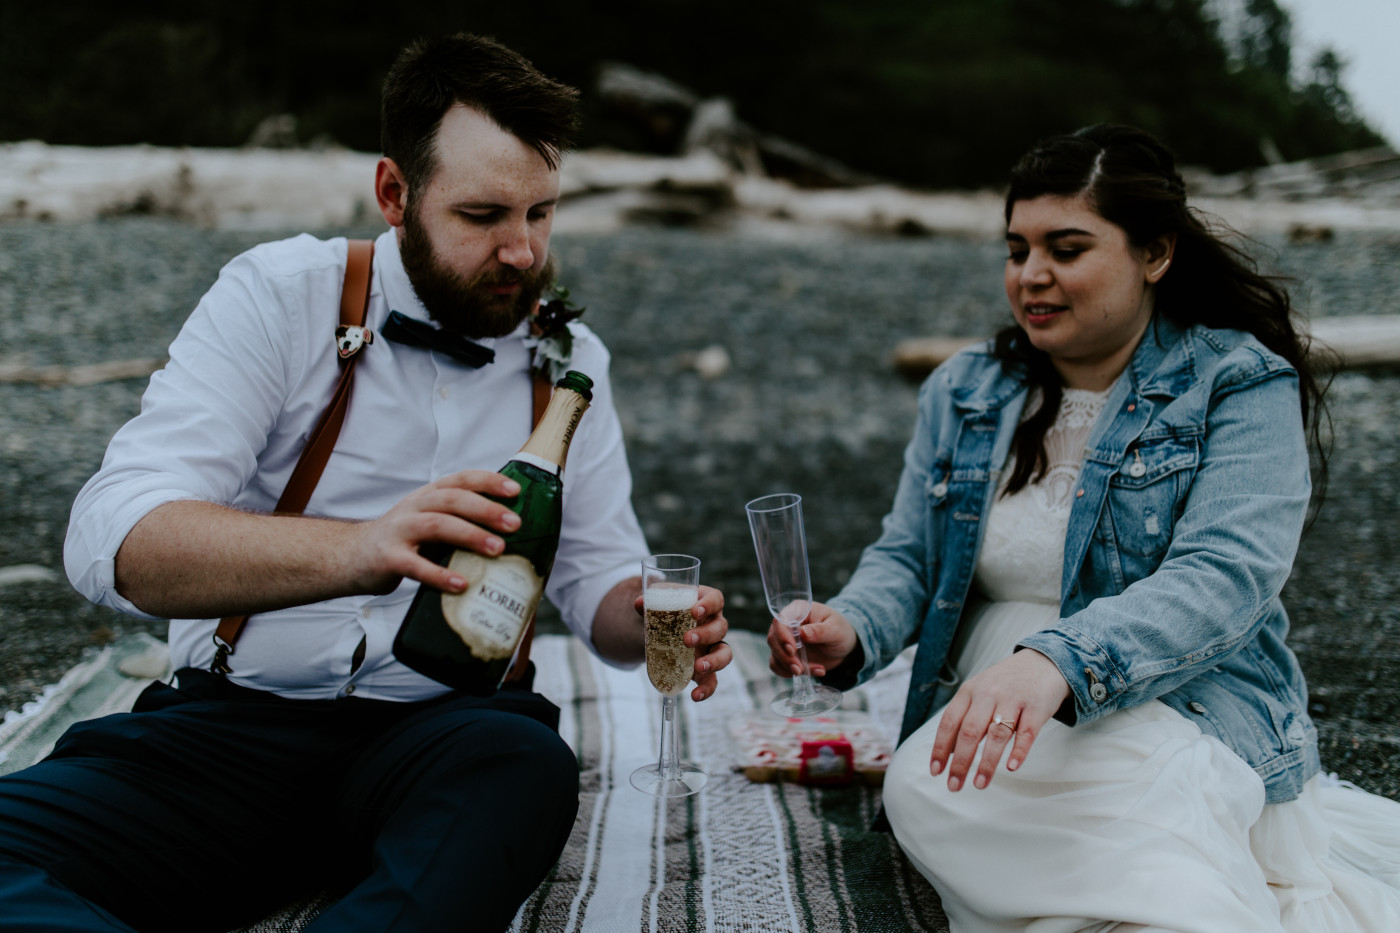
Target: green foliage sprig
column 550, row 323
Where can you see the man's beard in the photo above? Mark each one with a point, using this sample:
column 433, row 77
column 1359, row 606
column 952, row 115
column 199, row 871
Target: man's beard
column 468, row 306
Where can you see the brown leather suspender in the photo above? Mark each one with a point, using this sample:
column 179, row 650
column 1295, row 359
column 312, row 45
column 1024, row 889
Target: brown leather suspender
column 354, row 306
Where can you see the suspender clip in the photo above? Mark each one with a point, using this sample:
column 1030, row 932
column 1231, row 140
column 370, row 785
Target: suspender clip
column 222, row 650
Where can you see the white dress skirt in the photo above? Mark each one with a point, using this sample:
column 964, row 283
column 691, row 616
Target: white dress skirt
column 1138, row 820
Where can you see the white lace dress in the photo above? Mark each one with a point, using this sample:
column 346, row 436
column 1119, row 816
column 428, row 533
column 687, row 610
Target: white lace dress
column 1136, row 821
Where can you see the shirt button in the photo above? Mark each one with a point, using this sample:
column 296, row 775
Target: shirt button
column 1196, row 706
column 364, row 612
column 350, row 689
column 940, row 489
column 1099, row 692
column 443, row 393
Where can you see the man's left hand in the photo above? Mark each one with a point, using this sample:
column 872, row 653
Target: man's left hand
column 712, row 652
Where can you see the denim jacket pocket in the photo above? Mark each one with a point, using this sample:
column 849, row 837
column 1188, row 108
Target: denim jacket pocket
column 1146, row 494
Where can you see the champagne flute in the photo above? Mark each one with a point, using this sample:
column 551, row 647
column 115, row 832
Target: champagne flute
column 670, row 587
column 781, row 545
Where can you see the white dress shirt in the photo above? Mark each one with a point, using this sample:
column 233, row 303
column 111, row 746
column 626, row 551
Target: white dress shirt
column 225, row 420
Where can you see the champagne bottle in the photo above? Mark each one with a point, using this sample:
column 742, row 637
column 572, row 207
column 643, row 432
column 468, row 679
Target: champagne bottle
column 467, row 640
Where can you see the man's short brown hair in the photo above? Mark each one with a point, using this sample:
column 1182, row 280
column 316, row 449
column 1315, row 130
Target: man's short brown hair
column 431, row 76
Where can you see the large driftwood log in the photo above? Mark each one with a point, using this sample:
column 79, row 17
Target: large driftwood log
column 666, row 117
column 1361, row 342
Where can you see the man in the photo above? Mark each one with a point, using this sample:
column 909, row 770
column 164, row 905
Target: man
column 318, row 760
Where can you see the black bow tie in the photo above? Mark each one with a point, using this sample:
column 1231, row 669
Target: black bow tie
column 414, row 333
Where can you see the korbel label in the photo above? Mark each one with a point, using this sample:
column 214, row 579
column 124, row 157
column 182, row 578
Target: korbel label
column 490, row 615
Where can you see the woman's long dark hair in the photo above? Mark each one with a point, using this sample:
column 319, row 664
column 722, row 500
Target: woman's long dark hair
column 1129, row 178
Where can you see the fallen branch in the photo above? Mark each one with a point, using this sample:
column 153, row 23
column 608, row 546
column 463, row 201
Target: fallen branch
column 1361, row 342
column 79, row 375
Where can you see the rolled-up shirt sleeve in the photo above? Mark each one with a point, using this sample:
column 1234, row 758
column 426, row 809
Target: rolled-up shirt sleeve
column 203, row 422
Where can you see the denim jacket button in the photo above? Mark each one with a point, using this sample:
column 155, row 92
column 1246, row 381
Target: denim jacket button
column 1099, row 692
column 940, row 489
column 1196, row 706
column 1137, row 470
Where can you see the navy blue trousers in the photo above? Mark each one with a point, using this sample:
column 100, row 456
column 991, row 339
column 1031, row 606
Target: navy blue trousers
column 210, row 805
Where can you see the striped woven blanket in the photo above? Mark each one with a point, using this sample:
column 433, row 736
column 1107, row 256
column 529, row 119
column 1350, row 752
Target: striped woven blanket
column 738, row 856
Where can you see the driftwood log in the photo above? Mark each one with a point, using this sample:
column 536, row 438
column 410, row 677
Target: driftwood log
column 1361, row 342
column 79, row 375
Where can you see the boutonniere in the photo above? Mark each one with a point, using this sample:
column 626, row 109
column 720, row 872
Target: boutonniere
column 550, row 324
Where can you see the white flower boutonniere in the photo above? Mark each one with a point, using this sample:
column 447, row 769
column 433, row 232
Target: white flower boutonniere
column 550, row 324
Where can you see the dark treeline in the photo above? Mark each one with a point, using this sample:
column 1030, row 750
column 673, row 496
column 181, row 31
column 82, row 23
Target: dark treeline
column 927, row 92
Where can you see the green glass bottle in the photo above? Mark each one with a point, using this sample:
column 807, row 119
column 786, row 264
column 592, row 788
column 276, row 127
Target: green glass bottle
column 467, row 640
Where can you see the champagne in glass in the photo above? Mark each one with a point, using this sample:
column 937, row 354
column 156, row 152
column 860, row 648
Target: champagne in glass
column 780, row 542
column 670, row 660
column 670, row 587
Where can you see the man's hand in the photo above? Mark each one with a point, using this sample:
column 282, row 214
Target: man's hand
column 191, row 559
column 712, row 652
column 827, row 635
column 619, row 630
column 453, row 510
column 1023, row 692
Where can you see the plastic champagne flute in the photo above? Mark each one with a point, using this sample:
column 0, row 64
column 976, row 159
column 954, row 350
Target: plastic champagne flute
column 670, row 587
column 781, row 545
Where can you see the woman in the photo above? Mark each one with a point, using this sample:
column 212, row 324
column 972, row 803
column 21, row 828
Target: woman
column 1096, row 515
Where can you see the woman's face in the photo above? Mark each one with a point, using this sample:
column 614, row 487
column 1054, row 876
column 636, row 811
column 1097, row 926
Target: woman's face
column 1079, row 288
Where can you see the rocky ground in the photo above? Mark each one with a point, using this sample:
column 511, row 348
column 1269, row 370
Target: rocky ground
column 809, row 402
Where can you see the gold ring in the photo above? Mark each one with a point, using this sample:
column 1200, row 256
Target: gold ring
column 1008, row 723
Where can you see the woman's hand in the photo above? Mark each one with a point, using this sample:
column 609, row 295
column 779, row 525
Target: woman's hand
column 826, row 634
column 1022, row 692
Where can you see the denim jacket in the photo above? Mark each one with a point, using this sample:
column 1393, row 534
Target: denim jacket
column 1188, row 510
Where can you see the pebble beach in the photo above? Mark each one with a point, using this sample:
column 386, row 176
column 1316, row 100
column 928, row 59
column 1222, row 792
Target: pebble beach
column 745, row 363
